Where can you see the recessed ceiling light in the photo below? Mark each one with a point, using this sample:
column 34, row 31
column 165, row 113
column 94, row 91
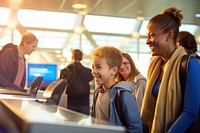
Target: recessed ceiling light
column 79, row 6
column 141, row 18
column 58, row 51
column 197, row 15
column 82, row 12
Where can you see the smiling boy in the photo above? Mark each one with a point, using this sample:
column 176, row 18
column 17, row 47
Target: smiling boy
column 106, row 62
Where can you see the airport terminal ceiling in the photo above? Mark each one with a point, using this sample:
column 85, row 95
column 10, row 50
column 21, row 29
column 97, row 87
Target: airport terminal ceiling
column 117, row 8
column 98, row 22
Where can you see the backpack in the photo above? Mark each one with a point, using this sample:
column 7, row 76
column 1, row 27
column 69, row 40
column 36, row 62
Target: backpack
column 68, row 73
column 195, row 126
column 118, row 104
column 76, row 87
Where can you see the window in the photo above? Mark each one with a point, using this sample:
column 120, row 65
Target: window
column 106, row 24
column 47, row 19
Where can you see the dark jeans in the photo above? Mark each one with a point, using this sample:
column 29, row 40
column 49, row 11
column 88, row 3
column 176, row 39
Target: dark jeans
column 80, row 109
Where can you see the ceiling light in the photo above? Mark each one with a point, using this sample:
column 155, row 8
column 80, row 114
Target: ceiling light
column 15, row 3
column 79, row 30
column 141, row 18
column 79, row 6
column 58, row 55
column 58, row 51
column 197, row 15
column 82, row 12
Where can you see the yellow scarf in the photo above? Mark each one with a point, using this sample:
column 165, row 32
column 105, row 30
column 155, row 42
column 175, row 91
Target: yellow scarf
column 157, row 113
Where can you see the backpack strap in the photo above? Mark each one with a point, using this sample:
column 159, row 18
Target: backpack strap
column 95, row 95
column 183, row 73
column 194, row 127
column 118, row 104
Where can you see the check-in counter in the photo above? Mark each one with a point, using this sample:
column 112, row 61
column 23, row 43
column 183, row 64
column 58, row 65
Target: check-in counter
column 13, row 94
column 29, row 116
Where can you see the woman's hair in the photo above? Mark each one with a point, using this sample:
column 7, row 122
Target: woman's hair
column 112, row 55
column 187, row 40
column 169, row 19
column 134, row 70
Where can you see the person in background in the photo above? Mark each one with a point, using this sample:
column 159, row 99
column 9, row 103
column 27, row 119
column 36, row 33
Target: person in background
column 128, row 72
column 13, row 62
column 78, row 90
column 164, row 109
column 106, row 62
column 187, row 40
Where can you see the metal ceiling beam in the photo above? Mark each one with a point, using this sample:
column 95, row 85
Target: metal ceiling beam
column 89, row 37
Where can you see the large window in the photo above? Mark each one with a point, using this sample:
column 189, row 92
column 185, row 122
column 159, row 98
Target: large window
column 51, row 40
column 106, row 24
column 47, row 19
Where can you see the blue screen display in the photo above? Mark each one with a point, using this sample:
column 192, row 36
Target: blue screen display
column 47, row 71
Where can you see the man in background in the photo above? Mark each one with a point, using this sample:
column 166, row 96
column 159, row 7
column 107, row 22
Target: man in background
column 78, row 87
column 13, row 62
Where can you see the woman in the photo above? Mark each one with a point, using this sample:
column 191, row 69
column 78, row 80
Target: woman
column 128, row 72
column 161, row 109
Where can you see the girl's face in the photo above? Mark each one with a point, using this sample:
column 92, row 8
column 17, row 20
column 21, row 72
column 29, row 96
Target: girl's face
column 157, row 41
column 103, row 75
column 125, row 69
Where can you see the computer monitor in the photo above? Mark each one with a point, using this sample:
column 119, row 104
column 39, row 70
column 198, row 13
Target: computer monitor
column 47, row 71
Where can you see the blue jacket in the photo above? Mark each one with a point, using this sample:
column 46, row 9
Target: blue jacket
column 129, row 107
column 9, row 66
column 191, row 99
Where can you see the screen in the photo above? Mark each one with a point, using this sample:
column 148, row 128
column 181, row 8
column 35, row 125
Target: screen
column 47, row 71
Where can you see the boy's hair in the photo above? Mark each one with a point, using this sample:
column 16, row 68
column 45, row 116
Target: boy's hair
column 112, row 55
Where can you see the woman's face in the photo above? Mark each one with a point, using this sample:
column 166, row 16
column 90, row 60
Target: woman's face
column 157, row 41
column 125, row 69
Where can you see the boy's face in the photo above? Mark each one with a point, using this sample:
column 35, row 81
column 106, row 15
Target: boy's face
column 101, row 72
